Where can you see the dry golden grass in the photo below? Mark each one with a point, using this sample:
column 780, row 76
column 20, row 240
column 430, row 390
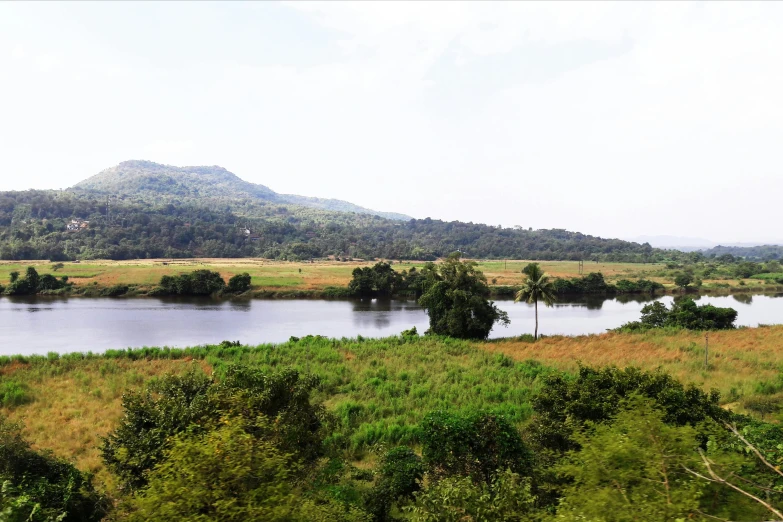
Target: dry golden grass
column 738, row 359
column 72, row 410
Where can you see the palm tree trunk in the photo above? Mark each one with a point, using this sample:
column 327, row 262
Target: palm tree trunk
column 535, row 337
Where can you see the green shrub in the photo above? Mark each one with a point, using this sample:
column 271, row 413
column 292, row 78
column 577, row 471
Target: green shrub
column 239, row 283
column 194, row 402
column 115, row 290
column 507, row 498
column 39, row 487
column 13, row 393
column 198, row 282
column 475, row 444
column 401, row 473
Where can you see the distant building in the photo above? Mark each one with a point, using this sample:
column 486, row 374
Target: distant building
column 77, row 224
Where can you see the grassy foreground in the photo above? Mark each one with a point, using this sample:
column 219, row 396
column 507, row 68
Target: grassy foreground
column 381, row 389
column 301, row 279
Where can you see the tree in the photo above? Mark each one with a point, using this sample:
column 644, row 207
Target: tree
column 230, row 474
column 458, row 499
column 684, row 313
column 226, row 474
column 193, row 402
column 633, row 468
column 475, row 444
column 455, row 300
column 536, row 287
column 239, row 283
column 683, row 280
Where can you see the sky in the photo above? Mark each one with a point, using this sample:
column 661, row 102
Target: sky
column 617, row 119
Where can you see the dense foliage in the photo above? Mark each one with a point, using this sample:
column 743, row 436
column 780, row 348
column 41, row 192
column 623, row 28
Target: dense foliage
column 684, row 313
column 594, row 284
column 455, row 299
column 195, row 403
column 34, row 225
column 39, row 487
column 33, row 283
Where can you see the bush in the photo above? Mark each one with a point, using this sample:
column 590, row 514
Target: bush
column 401, row 475
column 198, row 282
column 115, row 291
column 225, row 474
column 564, row 404
column 507, row 498
column 194, row 403
column 684, row 313
column 239, row 283
column 13, row 394
column 32, row 283
column 39, row 487
column 592, row 283
column 475, row 444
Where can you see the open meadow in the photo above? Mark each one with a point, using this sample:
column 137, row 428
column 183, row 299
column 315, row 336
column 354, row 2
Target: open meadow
column 282, row 277
column 379, row 390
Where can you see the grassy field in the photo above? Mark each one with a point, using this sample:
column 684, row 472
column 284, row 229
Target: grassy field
column 380, row 389
column 277, row 275
column 290, row 277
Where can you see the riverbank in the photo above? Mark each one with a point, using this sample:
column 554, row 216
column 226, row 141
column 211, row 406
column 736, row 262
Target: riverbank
column 329, row 279
column 382, row 388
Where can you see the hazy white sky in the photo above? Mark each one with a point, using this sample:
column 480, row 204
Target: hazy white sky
column 617, row 119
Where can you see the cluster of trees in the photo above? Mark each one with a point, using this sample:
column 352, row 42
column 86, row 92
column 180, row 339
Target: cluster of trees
column 33, row 226
column 202, row 283
column 604, row 444
column 684, row 313
column 694, row 267
column 454, row 294
column 594, row 284
column 756, row 253
column 32, row 283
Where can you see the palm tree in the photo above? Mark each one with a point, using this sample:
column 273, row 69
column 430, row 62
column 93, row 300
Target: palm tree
column 537, row 286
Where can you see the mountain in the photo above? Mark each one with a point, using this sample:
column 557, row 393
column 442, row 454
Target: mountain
column 141, row 209
column 147, row 179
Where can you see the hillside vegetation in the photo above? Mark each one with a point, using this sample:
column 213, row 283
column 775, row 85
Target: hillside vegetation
column 154, row 181
column 142, row 210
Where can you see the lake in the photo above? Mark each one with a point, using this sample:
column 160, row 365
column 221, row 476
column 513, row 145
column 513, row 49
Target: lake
column 39, row 325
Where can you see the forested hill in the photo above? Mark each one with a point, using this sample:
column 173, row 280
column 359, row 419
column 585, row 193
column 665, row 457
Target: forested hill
column 761, row 252
column 156, row 182
column 35, row 225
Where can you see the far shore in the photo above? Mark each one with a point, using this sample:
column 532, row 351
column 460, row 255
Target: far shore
column 329, row 278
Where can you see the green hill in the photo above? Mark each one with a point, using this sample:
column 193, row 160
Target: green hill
column 154, row 181
column 141, row 209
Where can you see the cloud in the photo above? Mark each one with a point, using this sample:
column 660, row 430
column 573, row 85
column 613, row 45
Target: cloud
column 610, row 118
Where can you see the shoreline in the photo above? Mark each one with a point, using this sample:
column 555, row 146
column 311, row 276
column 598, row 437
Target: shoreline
column 342, row 293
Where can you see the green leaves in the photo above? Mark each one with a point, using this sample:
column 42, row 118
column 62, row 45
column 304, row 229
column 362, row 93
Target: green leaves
column 455, row 299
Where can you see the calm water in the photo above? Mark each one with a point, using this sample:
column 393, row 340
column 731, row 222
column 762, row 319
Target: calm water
column 40, row 325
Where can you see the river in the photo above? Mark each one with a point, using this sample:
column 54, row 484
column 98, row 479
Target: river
column 39, row 325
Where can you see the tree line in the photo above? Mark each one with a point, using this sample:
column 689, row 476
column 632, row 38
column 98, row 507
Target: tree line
column 33, row 225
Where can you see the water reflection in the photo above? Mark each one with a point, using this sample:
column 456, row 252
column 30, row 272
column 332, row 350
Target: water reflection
column 82, row 324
